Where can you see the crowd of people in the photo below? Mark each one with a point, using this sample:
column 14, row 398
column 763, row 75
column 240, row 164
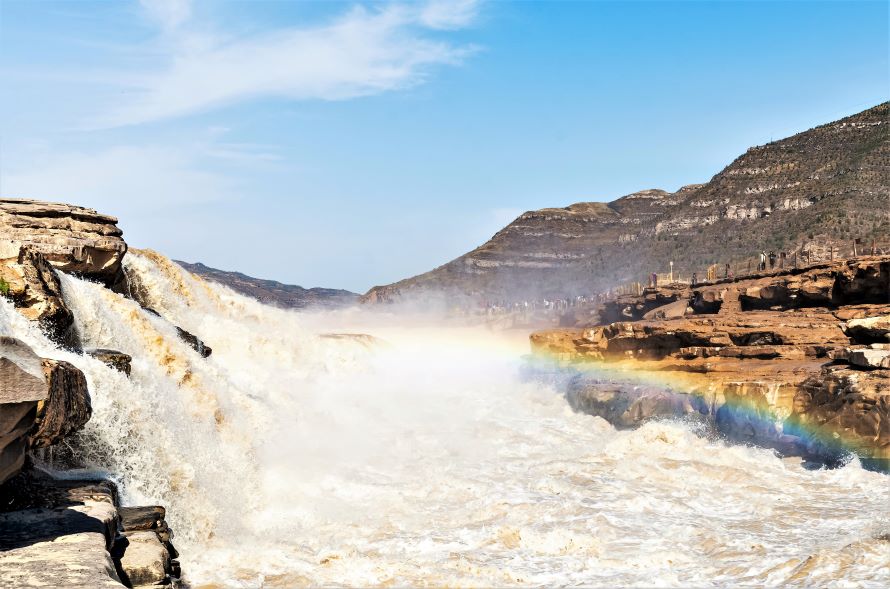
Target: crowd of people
column 545, row 305
column 767, row 260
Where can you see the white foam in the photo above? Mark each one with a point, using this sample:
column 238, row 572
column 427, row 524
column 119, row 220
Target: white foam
column 288, row 458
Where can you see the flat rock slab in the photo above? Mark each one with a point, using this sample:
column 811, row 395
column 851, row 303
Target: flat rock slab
column 144, row 559
column 58, row 547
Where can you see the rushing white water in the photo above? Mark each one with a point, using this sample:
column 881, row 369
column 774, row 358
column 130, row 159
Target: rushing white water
column 287, row 458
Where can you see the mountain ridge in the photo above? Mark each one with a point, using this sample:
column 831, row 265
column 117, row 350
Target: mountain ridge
column 289, row 296
column 821, row 187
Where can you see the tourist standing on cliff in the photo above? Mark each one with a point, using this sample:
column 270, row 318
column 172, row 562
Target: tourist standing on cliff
column 762, row 266
column 694, row 279
column 772, row 260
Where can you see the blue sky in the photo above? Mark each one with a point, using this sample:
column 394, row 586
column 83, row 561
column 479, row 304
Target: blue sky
column 348, row 144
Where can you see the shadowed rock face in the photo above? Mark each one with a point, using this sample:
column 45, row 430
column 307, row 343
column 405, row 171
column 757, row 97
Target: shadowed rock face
column 67, row 407
column 61, row 535
column 32, row 285
column 37, row 238
column 830, row 182
column 71, row 238
column 22, row 387
column 41, row 402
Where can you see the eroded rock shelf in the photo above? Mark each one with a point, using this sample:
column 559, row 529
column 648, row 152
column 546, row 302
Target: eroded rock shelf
column 797, row 360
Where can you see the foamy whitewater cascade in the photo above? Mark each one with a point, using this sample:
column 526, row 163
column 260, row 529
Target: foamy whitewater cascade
column 420, row 457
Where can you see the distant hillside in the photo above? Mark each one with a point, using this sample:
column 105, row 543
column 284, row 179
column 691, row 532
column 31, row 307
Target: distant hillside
column 272, row 292
column 830, row 184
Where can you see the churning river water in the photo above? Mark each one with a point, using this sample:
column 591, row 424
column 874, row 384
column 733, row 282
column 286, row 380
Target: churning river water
column 419, row 456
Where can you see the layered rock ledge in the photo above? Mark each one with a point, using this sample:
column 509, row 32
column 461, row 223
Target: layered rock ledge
column 64, row 533
column 797, row 360
column 71, row 238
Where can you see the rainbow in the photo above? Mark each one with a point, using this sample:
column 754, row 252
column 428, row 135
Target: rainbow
column 774, row 427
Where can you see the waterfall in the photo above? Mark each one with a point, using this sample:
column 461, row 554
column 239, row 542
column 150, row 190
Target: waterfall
column 300, row 454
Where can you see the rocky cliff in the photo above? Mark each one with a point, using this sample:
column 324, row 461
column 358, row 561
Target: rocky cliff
column 798, row 360
column 62, row 533
column 271, row 292
column 825, row 186
column 71, row 238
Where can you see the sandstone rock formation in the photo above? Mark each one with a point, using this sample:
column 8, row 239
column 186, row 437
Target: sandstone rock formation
column 144, row 552
column 67, row 407
column 30, row 282
column 22, row 387
column 41, row 402
column 62, row 533
column 71, row 238
column 58, row 533
column 823, row 187
column 60, row 537
column 271, row 292
column 787, row 360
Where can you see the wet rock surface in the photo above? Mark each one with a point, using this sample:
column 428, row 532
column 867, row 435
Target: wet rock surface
column 67, row 407
column 31, row 284
column 191, row 339
column 117, row 360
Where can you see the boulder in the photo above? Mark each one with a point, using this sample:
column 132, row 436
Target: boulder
column 673, row 310
column 630, row 405
column 71, row 238
column 117, row 360
column 869, row 329
column 22, row 387
column 869, row 358
column 194, row 341
column 150, row 518
column 143, row 559
column 191, row 339
column 21, row 372
column 32, row 285
column 134, row 519
column 66, row 409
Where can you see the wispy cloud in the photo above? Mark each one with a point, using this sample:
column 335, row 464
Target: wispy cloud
column 449, row 14
column 169, row 14
column 363, row 52
column 129, row 180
